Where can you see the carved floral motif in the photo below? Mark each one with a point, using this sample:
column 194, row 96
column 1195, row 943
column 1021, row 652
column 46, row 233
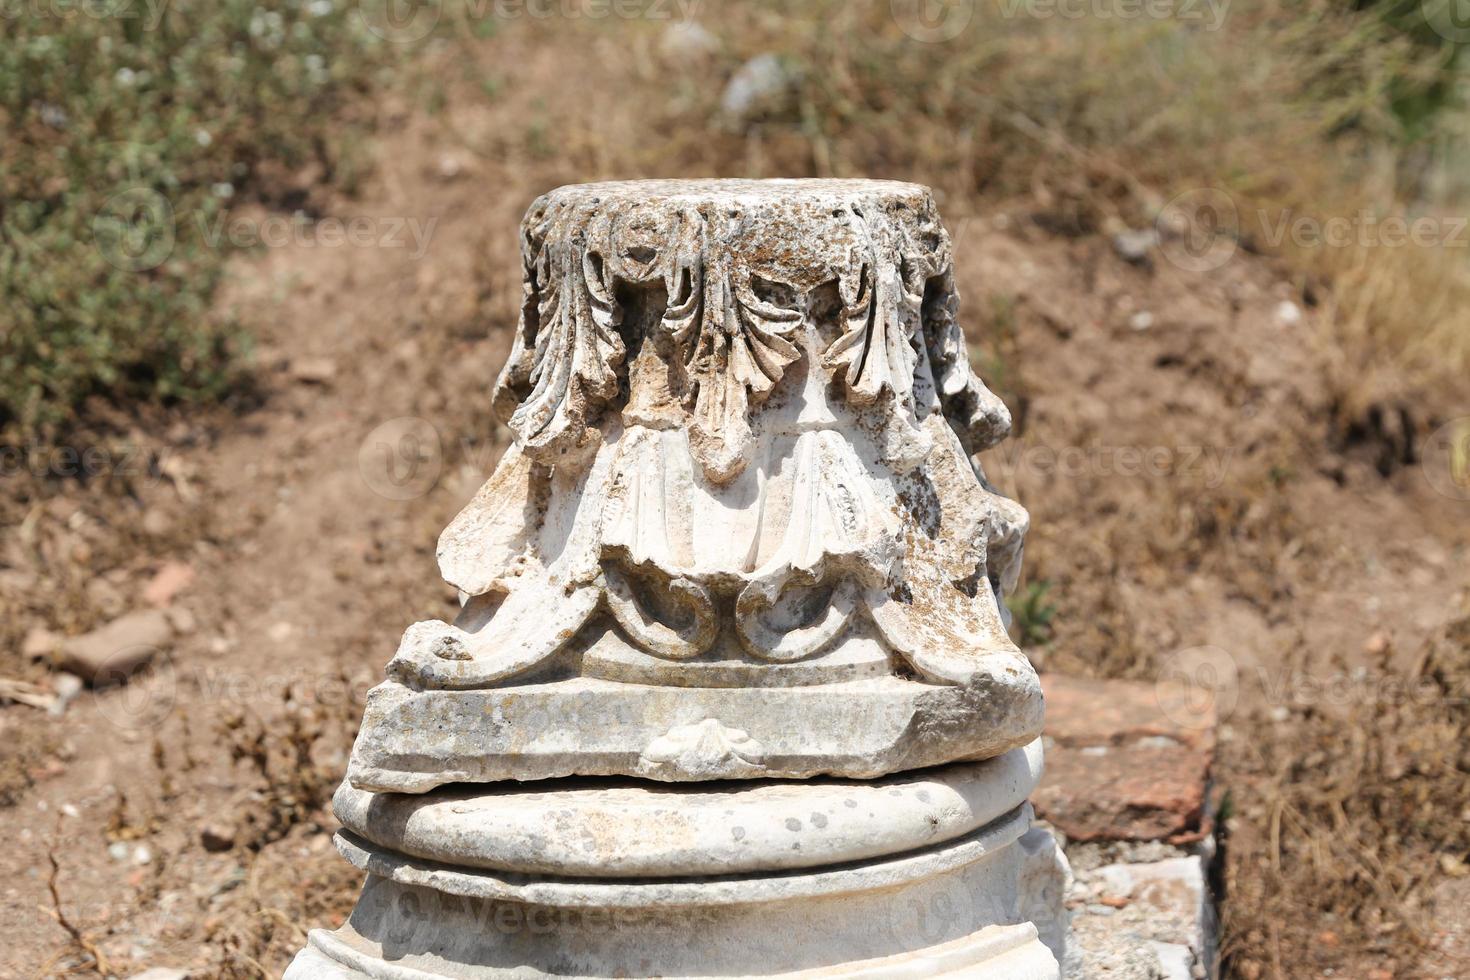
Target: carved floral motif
column 740, row 409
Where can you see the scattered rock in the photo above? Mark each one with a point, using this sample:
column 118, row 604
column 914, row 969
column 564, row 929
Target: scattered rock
column 161, row 973
column 1134, row 245
column 1152, row 920
column 173, row 578
column 450, row 167
column 217, row 837
column 67, row 687
column 314, row 370
column 759, row 86
column 183, row 621
column 688, row 41
column 39, row 642
column 156, row 523
column 1141, row 320
column 112, row 652
column 1288, row 314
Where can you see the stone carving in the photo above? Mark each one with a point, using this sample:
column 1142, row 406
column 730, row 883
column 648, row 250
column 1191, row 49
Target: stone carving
column 742, row 412
column 707, row 750
column 740, row 535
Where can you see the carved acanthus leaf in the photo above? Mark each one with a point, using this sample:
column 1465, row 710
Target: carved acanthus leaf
column 577, row 349
column 979, row 418
column 882, row 293
column 735, row 346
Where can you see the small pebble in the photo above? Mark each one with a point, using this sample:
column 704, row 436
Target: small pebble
column 1288, row 314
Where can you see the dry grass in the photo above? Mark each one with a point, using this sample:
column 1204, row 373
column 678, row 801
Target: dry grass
column 1350, row 821
column 1343, row 816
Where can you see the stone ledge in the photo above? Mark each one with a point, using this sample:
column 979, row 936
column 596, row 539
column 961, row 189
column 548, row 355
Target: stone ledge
column 1120, row 767
column 1127, row 784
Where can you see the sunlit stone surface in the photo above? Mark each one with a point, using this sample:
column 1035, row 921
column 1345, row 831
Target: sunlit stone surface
column 731, row 692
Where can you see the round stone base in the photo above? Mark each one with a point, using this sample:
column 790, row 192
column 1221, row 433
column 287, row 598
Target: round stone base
column 627, row 828
column 969, row 906
column 1001, row 952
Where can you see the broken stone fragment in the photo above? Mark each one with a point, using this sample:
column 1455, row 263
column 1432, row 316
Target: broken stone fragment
column 111, row 653
column 171, row 579
column 39, row 642
column 217, row 837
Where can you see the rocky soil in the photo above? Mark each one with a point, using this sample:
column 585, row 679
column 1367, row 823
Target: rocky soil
column 1199, row 512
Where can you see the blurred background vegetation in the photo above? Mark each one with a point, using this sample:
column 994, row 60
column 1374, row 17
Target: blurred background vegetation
column 128, row 132
column 124, row 132
column 127, row 129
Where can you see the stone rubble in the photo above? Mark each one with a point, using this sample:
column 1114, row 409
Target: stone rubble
column 1127, row 785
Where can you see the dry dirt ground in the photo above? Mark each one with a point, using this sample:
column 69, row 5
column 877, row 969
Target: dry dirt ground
column 1189, row 484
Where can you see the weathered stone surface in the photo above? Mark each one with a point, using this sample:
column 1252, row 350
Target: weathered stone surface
column 112, row 652
column 1118, row 767
column 739, row 541
column 740, row 491
column 412, row 741
column 1085, row 711
column 950, row 910
column 631, row 828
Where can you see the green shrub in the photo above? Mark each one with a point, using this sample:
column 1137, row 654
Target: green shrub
column 125, row 129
